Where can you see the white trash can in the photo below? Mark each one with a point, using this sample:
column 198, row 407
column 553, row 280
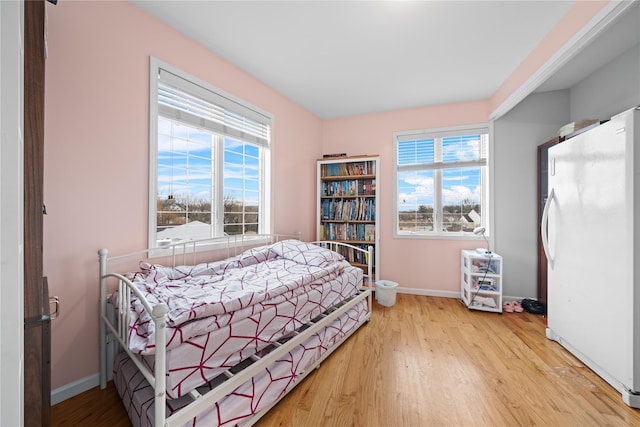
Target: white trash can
column 386, row 292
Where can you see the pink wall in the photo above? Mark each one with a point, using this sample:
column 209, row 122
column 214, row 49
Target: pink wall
column 431, row 265
column 96, row 154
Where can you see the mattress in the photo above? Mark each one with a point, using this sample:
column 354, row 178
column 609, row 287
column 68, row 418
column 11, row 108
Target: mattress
column 221, row 313
column 260, row 392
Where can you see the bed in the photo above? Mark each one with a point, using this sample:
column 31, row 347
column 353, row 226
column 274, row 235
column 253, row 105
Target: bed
column 219, row 342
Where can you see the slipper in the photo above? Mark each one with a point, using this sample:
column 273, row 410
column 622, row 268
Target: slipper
column 507, row 306
column 517, row 307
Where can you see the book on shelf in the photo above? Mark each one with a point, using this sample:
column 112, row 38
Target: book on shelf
column 348, row 169
column 356, row 232
column 354, row 256
column 348, row 209
column 362, row 187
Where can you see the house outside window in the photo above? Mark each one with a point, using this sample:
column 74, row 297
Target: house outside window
column 209, row 158
column 441, row 182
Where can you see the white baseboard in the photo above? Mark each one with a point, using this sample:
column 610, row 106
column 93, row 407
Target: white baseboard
column 516, row 298
column 73, row 389
column 448, row 294
column 429, row 292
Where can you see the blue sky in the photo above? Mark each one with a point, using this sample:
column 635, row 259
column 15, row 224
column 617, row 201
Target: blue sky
column 416, row 188
column 185, row 164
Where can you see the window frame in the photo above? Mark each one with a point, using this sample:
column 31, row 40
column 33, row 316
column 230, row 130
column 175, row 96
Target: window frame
column 486, row 177
column 265, row 215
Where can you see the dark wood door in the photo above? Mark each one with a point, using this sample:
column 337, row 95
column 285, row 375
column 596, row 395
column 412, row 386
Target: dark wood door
column 37, row 388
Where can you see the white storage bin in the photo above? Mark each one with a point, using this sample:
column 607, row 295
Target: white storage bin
column 386, row 292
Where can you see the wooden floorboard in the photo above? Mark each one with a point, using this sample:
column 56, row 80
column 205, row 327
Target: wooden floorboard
column 427, row 361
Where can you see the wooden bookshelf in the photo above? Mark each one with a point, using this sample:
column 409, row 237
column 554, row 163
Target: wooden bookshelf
column 348, row 206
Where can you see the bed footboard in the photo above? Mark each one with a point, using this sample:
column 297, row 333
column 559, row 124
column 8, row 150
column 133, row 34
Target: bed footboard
column 120, row 331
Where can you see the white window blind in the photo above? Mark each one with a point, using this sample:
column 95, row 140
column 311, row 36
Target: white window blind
column 426, row 149
column 198, row 106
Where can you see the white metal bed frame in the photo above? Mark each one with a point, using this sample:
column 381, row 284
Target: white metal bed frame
column 112, row 334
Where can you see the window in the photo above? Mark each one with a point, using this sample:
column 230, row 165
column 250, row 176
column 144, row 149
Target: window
column 209, row 161
column 441, row 181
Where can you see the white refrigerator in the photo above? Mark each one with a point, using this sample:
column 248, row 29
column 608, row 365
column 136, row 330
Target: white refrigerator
column 591, row 235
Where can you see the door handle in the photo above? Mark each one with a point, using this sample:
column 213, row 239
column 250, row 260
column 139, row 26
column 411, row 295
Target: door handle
column 56, row 303
column 543, row 227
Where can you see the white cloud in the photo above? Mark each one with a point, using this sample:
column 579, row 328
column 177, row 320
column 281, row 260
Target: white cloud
column 457, row 193
column 463, row 150
column 422, row 194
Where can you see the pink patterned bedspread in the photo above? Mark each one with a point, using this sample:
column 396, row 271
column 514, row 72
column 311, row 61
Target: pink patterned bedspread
column 223, row 312
column 206, row 297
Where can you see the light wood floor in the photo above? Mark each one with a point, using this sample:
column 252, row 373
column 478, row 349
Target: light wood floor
column 427, row 361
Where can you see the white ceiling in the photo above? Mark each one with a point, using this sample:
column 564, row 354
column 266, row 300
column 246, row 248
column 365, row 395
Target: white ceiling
column 342, row 58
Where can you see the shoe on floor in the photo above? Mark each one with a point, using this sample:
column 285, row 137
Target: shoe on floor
column 517, row 307
column 507, row 306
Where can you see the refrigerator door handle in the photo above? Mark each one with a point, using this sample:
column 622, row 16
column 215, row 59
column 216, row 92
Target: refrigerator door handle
column 543, row 227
